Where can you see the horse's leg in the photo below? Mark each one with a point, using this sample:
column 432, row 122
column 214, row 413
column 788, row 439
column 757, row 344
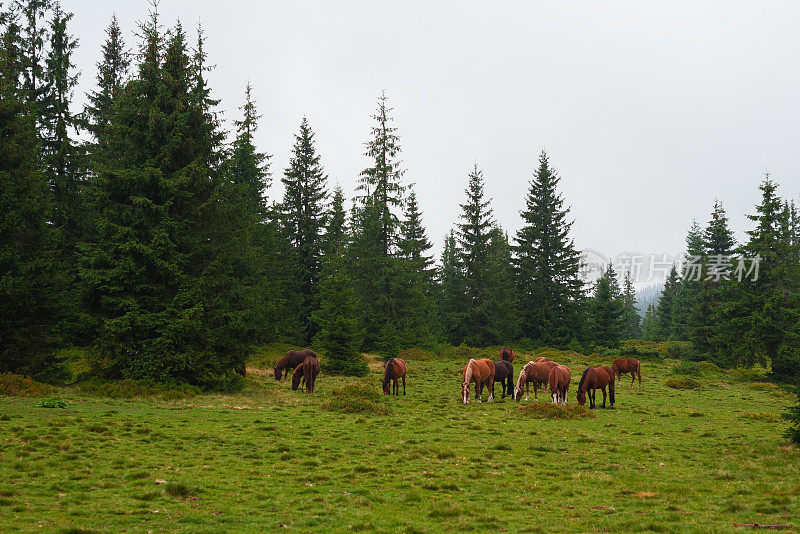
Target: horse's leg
column 491, row 389
column 604, row 396
column 478, row 391
column 633, row 378
column 639, row 374
column 404, row 384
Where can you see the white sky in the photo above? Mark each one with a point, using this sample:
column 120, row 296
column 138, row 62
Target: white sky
column 648, row 109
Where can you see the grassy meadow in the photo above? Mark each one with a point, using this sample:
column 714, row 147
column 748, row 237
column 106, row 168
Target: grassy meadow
column 697, row 455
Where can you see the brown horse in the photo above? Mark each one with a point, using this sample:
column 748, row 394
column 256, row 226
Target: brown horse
column 504, row 373
column 542, row 359
column 536, row 372
column 482, row 373
column 507, row 354
column 595, row 378
column 558, row 381
column 628, row 365
column 394, row 369
column 292, row 359
column 307, row 371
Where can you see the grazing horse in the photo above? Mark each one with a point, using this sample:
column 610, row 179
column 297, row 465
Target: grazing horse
column 559, row 383
column 482, row 373
column 595, row 378
column 307, row 371
column 292, row 359
column 507, row 354
column 394, row 369
column 504, row 373
column 542, row 359
column 628, row 365
column 536, row 372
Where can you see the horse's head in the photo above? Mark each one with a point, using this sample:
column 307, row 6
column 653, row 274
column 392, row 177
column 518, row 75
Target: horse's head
column 278, row 371
column 465, row 393
column 296, row 377
column 385, row 384
column 581, row 397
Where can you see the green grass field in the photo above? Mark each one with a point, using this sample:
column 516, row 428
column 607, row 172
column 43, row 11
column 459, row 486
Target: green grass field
column 664, row 459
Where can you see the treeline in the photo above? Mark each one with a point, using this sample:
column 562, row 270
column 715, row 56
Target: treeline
column 137, row 229
column 738, row 304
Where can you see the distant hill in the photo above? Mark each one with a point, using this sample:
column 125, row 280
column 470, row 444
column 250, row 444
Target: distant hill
column 647, row 295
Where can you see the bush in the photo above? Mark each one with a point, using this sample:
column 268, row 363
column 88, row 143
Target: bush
column 361, row 397
column 52, row 403
column 14, row 385
column 686, row 368
column 547, row 410
column 683, row 383
column 642, row 350
column 680, row 350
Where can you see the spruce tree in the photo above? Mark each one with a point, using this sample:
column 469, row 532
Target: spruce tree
column 414, row 244
column 112, row 71
column 474, row 236
column 336, row 236
column 171, row 234
column 28, row 292
column 547, row 265
column 304, row 211
column 379, row 183
column 666, row 306
column 631, row 320
column 452, row 292
column 607, row 310
column 33, row 54
column 339, row 337
column 650, row 331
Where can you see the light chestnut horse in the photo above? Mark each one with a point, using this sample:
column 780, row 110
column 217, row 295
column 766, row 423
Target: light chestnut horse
column 558, row 380
column 533, row 372
column 394, row 369
column 628, row 365
column 482, row 373
column 542, row 359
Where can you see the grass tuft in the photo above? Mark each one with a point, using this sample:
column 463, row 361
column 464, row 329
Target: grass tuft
column 683, row 383
column 360, row 397
column 547, row 410
column 178, row 490
column 52, row 403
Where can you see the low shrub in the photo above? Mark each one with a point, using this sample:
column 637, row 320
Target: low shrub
column 642, row 350
column 548, row 410
column 762, row 386
column 683, row 383
column 360, row 397
column 681, row 350
column 14, row 385
column 52, row 403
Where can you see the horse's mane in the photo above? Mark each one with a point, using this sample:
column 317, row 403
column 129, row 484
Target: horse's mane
column 388, row 373
column 583, row 379
column 282, row 362
column 468, row 371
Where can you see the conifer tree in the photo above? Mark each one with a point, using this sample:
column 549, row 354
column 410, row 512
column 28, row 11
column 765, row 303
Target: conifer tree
column 247, row 167
column 666, row 305
column 339, row 336
column 414, row 244
column 336, row 236
column 452, row 292
column 650, row 330
column 793, row 416
column 171, row 235
column 28, row 294
column 631, row 320
column 33, row 54
column 547, row 264
column 379, row 183
column 111, row 74
column 607, row 310
column 304, row 211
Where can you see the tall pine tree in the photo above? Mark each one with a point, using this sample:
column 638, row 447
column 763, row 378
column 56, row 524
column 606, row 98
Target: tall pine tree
column 547, row 264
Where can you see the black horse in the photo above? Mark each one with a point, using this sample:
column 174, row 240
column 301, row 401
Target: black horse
column 504, row 373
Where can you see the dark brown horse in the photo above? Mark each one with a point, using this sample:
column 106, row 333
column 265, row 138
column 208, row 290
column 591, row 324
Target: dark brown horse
column 507, row 354
column 504, row 373
column 595, row 378
column 533, row 372
column 628, row 365
column 292, row 359
column 482, row 373
column 307, row 372
column 394, row 369
column 558, row 380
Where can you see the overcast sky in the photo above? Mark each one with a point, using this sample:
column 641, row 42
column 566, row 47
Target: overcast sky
column 648, row 110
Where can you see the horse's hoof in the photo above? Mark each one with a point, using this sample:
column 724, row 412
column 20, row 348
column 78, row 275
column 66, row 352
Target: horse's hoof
column 479, row 401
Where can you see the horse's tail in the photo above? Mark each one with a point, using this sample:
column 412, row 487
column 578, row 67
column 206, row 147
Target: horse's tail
column 639, row 371
column 611, row 390
column 583, row 379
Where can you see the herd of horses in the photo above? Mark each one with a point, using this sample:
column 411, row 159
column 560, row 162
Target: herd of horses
column 541, row 372
column 545, row 373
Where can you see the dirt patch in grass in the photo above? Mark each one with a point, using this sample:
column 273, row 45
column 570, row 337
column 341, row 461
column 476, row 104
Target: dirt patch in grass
column 14, row 385
column 546, row 410
column 761, row 416
column 683, row 383
column 360, row 397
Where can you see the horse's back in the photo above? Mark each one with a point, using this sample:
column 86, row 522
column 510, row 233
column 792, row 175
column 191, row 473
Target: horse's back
column 400, row 365
column 607, row 371
column 503, row 369
column 543, row 369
